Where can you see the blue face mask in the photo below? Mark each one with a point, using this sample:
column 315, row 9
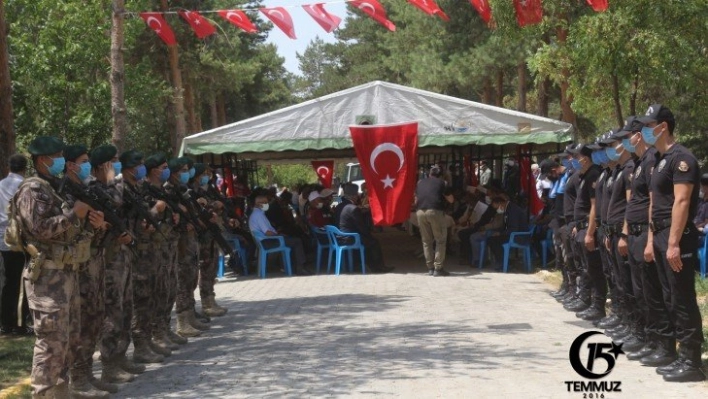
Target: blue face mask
column 183, row 178
column 140, row 172
column 595, row 158
column 204, row 180
column 575, row 164
column 648, row 135
column 612, row 153
column 84, row 171
column 57, row 166
column 117, row 167
column 165, row 175
column 192, row 171
column 627, row 144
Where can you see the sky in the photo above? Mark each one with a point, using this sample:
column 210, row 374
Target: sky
column 306, row 29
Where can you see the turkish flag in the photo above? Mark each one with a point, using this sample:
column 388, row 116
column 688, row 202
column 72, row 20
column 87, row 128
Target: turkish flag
column 201, row 27
column 388, row 157
column 482, row 7
column 327, row 21
column 156, row 22
column 528, row 180
column 229, row 182
column 281, row 18
column 430, row 7
column 375, row 10
column 598, row 5
column 325, row 172
column 528, row 12
column 238, row 18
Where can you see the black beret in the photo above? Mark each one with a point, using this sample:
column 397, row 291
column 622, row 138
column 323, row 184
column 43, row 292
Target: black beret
column 175, row 164
column 131, row 158
column 45, row 145
column 154, row 160
column 102, row 154
column 189, row 161
column 199, row 168
column 72, row 152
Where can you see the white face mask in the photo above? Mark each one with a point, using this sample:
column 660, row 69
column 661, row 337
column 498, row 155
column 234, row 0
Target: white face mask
column 319, row 206
column 488, row 200
column 500, row 211
column 265, row 207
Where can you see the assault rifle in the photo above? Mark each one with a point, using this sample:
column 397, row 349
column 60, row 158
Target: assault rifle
column 97, row 199
column 205, row 216
column 140, row 207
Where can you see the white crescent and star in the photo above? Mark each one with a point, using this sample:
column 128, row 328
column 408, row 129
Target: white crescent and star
column 367, row 6
column 325, row 173
column 159, row 24
column 280, row 14
column 236, row 15
column 378, row 150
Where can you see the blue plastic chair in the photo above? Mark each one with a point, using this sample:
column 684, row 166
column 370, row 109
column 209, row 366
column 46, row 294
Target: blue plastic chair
column 338, row 249
column 263, row 253
column 702, row 252
column 546, row 245
column 323, row 243
column 236, row 243
column 513, row 243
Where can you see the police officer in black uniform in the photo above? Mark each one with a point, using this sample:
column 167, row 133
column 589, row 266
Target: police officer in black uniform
column 576, row 299
column 672, row 240
column 562, row 253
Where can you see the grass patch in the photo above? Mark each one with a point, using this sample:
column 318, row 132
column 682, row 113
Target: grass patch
column 16, row 360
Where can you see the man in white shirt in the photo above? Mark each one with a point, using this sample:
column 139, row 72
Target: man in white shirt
column 14, row 261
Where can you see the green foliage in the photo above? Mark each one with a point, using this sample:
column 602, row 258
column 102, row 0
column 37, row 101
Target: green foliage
column 286, row 175
column 16, row 359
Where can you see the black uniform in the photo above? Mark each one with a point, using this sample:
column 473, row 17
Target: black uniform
column 594, row 282
column 678, row 165
column 572, row 259
column 602, row 200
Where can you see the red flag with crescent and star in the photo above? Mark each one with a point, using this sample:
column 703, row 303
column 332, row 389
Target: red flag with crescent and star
column 375, row 10
column 388, row 157
column 281, row 18
column 327, row 21
column 482, row 7
column 528, row 180
column 238, row 18
column 598, row 5
column 201, row 27
column 528, row 12
column 325, row 172
column 156, row 22
column 430, row 7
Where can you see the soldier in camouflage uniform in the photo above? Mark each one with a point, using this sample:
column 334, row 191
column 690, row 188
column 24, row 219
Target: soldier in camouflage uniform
column 118, row 255
column 144, row 272
column 91, row 286
column 57, row 237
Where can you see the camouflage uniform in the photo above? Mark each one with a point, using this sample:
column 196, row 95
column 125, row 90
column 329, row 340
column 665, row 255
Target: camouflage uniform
column 187, row 271
column 49, row 224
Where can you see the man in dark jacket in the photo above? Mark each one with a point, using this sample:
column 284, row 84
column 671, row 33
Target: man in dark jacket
column 515, row 220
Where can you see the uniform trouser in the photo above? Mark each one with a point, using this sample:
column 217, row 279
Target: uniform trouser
column 556, row 226
column 594, row 281
column 647, row 289
column 208, row 257
column 609, row 270
column 679, row 288
column 624, row 285
column 433, row 233
column 119, row 304
column 567, row 251
column 165, row 292
column 464, row 237
column 143, row 277
column 14, row 264
column 187, row 271
column 55, row 306
column 91, row 288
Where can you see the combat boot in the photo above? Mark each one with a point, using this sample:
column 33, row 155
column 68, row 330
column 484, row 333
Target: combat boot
column 646, row 350
column 103, row 385
column 211, row 309
column 664, row 354
column 201, row 316
column 113, row 373
column 127, row 365
column 158, row 344
column 689, row 368
column 81, row 388
column 168, row 339
column 194, row 322
column 143, row 353
column 184, row 328
column 176, row 338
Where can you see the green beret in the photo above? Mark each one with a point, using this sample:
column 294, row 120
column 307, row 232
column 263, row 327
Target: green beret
column 45, row 145
column 102, row 154
column 175, row 164
column 72, row 152
column 189, row 161
column 154, row 160
column 131, row 158
column 199, row 168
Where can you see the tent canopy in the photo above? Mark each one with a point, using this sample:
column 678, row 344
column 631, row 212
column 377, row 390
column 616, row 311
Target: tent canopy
column 323, row 124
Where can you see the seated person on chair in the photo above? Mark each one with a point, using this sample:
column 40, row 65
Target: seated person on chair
column 515, row 220
column 259, row 222
column 476, row 215
column 318, row 213
column 351, row 220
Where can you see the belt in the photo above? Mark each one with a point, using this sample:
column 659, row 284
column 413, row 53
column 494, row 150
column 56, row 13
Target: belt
column 613, row 229
column 658, row 225
column 637, row 229
column 582, row 225
column 51, row 265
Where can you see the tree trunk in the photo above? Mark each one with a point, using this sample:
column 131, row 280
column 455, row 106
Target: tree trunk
column 178, row 96
column 221, row 109
column 543, row 86
column 521, row 69
column 567, row 113
column 616, row 100
column 118, row 110
column 189, row 105
column 488, row 91
column 7, row 133
column 198, row 112
column 214, row 113
column 500, row 88
column 633, row 97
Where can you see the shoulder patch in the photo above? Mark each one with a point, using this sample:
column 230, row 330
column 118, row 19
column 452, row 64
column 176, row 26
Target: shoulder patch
column 683, row 166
